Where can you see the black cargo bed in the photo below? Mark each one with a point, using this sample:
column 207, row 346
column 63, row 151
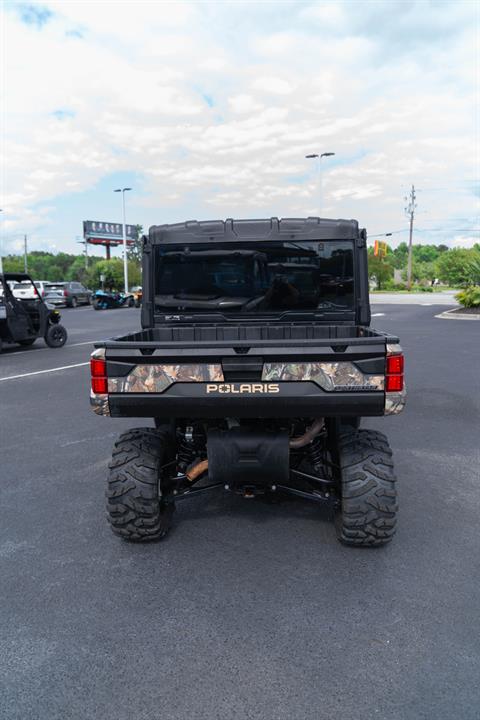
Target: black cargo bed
column 258, row 335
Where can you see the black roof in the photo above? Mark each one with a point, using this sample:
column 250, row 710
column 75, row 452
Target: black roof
column 312, row 228
column 16, row 277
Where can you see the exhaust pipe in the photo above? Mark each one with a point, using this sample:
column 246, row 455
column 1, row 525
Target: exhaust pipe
column 197, row 470
column 308, row 436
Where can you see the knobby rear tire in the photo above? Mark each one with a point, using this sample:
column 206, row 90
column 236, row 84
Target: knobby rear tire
column 135, row 508
column 368, row 489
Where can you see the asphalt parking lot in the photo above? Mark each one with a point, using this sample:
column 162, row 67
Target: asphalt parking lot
column 247, row 610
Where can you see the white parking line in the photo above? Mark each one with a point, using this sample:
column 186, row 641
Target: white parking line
column 87, row 342
column 68, row 345
column 42, row 372
column 378, row 314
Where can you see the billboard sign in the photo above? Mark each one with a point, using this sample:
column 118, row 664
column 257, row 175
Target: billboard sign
column 107, row 233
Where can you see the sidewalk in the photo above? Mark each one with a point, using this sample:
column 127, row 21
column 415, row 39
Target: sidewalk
column 419, row 298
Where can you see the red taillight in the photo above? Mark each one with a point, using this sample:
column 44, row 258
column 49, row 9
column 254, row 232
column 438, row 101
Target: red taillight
column 394, row 373
column 65, row 293
column 98, row 370
column 100, row 386
column 394, row 383
column 395, row 365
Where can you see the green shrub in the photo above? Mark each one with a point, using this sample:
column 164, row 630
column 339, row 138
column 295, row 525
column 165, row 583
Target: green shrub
column 390, row 284
column 469, row 298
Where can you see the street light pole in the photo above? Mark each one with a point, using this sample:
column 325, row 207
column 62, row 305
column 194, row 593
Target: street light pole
column 319, row 174
column 124, row 230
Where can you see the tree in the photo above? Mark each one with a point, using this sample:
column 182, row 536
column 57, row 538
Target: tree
column 113, row 272
column 135, row 250
column 422, row 271
column 379, row 268
column 474, row 267
column 425, row 253
column 399, row 256
column 77, row 270
column 13, row 264
column 453, row 267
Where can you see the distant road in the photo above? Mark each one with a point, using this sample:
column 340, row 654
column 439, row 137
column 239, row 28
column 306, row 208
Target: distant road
column 420, row 298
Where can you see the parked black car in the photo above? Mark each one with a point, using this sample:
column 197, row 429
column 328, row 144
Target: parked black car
column 74, row 292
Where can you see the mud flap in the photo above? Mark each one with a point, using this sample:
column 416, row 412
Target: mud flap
column 248, row 458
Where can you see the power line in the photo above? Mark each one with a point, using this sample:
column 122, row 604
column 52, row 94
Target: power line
column 448, row 230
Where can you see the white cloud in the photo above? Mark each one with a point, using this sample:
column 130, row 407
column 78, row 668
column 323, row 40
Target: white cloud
column 244, row 103
column 272, row 85
column 328, row 15
column 464, row 240
column 215, row 111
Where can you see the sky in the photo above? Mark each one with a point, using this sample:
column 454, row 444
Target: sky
column 207, row 110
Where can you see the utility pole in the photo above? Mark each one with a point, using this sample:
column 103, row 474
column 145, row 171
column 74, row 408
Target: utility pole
column 25, row 251
column 410, row 210
column 84, row 242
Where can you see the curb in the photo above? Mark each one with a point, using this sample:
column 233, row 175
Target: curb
column 452, row 315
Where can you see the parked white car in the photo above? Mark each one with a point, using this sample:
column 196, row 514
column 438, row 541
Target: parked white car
column 40, row 285
column 23, row 290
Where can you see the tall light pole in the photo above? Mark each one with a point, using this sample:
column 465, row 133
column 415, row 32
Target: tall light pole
column 318, row 157
column 124, row 228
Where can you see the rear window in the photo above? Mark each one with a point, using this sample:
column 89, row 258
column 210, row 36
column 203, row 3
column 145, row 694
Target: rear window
column 255, row 277
column 58, row 287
